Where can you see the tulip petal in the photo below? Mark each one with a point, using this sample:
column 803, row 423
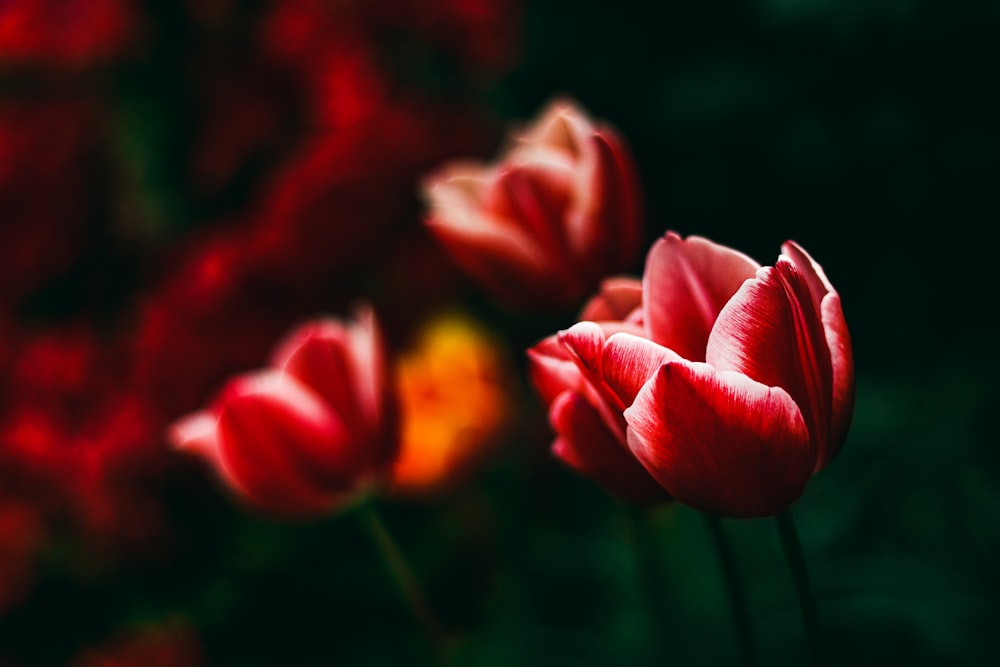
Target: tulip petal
column 685, row 286
column 771, row 332
column 558, row 126
column 609, row 199
column 197, row 432
column 315, row 353
column 552, row 370
column 720, row 442
column 628, row 361
column 460, row 185
column 491, row 248
column 498, row 255
column 586, row 445
column 585, row 343
column 838, row 340
column 535, row 196
column 281, row 446
column 345, row 363
column 619, row 298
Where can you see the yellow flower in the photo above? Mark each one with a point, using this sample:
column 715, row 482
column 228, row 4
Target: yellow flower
column 454, row 398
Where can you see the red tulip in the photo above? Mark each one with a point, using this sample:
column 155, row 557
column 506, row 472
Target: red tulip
column 741, row 384
column 309, row 433
column 557, row 213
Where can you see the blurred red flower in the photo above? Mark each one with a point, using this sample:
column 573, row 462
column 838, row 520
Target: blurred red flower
column 310, row 433
column 156, row 239
column 64, row 32
column 557, row 213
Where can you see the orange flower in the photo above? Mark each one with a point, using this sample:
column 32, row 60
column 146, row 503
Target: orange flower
column 454, row 399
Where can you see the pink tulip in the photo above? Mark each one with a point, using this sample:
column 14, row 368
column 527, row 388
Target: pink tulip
column 309, row 433
column 557, row 213
column 740, row 385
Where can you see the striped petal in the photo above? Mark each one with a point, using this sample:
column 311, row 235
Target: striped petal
column 281, row 446
column 771, row 332
column 720, row 442
column 686, row 284
column 838, row 339
column 586, row 445
column 618, row 299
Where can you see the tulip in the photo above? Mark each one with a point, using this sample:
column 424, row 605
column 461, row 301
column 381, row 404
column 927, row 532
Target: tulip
column 311, row 432
column 559, row 211
column 740, row 385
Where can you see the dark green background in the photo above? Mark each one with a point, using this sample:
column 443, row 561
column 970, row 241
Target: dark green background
column 866, row 131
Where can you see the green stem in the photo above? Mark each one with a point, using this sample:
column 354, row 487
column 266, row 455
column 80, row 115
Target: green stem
column 803, row 589
column 742, row 621
column 650, row 578
column 401, row 571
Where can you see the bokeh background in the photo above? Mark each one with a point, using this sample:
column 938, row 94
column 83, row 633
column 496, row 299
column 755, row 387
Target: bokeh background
column 181, row 182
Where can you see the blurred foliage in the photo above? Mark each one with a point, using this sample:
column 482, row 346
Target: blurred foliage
column 864, row 130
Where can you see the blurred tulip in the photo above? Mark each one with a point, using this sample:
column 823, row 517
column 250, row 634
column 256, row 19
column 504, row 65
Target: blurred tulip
column 73, row 33
column 308, row 434
column 454, row 399
column 539, row 229
column 740, row 384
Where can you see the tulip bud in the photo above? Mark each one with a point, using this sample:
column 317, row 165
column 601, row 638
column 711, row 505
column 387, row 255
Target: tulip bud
column 311, row 432
column 539, row 228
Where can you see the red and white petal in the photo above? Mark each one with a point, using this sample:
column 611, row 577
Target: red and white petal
column 608, row 198
column 552, row 369
column 819, row 284
column 197, row 433
column 560, row 126
column 720, row 442
column 316, row 353
column 586, row 445
column 628, row 361
column 460, row 185
column 686, row 284
column 585, row 342
column 281, row 446
column 842, row 362
column 771, row 332
column 368, row 360
column 616, row 300
column 838, row 340
column 501, row 257
column 534, row 197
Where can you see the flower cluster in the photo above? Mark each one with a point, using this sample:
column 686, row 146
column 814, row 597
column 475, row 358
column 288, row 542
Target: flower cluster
column 713, row 380
column 174, row 194
column 167, row 300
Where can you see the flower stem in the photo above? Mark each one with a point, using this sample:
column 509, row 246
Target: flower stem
column 742, row 621
column 650, row 578
column 803, row 589
column 401, row 571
